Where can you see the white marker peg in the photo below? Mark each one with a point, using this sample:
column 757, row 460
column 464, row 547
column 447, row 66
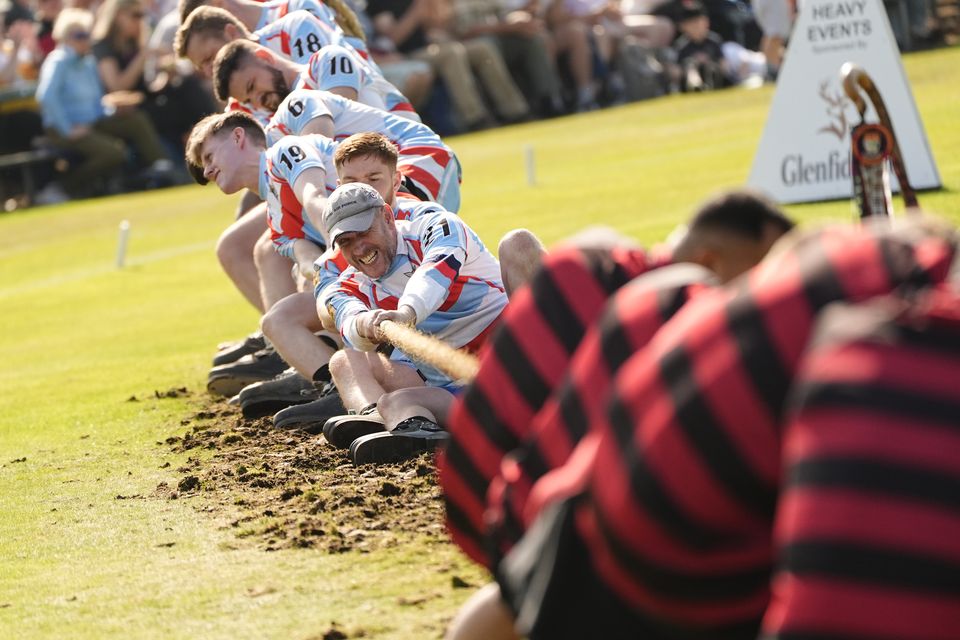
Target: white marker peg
column 531, row 165
column 122, row 243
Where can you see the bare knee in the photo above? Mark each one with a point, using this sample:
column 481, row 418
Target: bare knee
column 263, row 250
column 520, row 254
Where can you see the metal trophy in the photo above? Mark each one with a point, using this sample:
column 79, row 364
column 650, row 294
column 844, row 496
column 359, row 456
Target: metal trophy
column 873, row 146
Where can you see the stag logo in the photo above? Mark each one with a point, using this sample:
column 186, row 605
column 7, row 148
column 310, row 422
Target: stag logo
column 836, row 109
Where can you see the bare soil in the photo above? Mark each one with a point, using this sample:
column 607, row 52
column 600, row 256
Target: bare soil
column 282, row 489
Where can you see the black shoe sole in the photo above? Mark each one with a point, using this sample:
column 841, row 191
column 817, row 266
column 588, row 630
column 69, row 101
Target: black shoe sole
column 263, row 407
column 383, row 448
column 341, row 431
column 230, row 385
column 310, row 422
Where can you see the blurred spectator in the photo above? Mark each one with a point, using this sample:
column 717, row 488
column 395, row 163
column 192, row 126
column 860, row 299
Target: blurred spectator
column 414, row 78
column 415, row 28
column 706, row 61
column 47, row 12
column 172, row 101
column 18, row 48
column 576, row 29
column 523, row 42
column 75, row 112
column 19, row 123
column 93, row 6
column 16, row 11
column 775, row 18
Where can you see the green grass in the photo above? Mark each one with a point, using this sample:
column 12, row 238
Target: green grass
column 79, row 337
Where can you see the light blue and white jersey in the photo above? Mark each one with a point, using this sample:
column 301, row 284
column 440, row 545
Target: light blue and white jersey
column 335, row 66
column 299, row 35
column 424, row 160
column 281, row 165
column 273, row 10
column 442, row 270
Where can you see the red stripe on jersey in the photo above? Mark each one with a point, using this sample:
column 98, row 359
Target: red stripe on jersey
column 417, row 248
column 292, row 212
column 891, row 439
column 882, row 521
column 822, row 607
column 387, row 302
column 351, row 287
column 679, row 612
column 422, row 177
column 456, row 288
column 475, row 345
column 402, row 106
column 439, row 154
column 285, row 43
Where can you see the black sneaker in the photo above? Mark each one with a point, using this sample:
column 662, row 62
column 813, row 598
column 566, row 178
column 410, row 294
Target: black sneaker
column 411, row 437
column 236, row 350
column 341, row 431
column 266, row 398
column 310, row 416
column 229, row 379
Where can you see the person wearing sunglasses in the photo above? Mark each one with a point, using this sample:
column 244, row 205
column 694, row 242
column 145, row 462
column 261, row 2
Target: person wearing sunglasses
column 75, row 112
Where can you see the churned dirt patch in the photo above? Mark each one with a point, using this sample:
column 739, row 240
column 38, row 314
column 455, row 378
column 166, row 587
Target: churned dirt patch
column 279, row 489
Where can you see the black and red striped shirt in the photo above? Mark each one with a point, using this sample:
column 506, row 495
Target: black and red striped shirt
column 683, row 481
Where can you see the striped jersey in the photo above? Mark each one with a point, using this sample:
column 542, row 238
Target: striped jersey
column 299, row 34
column 273, row 10
column 423, row 155
column 631, row 318
column 527, row 359
column 441, row 269
column 684, row 483
column 868, row 518
column 331, row 264
column 334, row 66
column 281, row 165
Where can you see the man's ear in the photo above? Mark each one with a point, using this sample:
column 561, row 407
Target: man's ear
column 397, row 177
column 239, row 136
column 230, row 32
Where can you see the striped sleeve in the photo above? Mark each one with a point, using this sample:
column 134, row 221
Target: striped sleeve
column 527, row 357
column 635, row 313
column 444, row 247
column 679, row 503
column 680, row 516
column 868, row 525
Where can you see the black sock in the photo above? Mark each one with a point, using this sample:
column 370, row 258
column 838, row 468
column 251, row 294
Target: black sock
column 322, row 374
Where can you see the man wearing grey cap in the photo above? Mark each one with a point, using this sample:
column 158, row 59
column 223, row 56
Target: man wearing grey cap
column 431, row 271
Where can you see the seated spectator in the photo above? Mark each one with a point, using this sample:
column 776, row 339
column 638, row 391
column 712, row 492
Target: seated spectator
column 17, row 53
column 75, row 112
column 705, row 61
column 409, row 25
column 18, row 126
column 523, row 42
column 122, row 54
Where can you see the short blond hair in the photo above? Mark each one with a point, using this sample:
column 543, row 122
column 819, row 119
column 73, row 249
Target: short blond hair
column 212, row 126
column 69, row 20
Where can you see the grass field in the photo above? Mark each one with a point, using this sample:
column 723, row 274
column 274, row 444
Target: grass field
column 80, row 338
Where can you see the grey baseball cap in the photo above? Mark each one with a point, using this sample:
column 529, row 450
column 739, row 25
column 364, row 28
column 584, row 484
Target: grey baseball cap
column 351, row 207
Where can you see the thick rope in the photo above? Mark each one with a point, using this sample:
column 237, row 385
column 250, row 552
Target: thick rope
column 459, row 365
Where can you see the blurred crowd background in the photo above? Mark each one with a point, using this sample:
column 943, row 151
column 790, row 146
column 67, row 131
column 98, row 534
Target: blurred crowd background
column 94, row 101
